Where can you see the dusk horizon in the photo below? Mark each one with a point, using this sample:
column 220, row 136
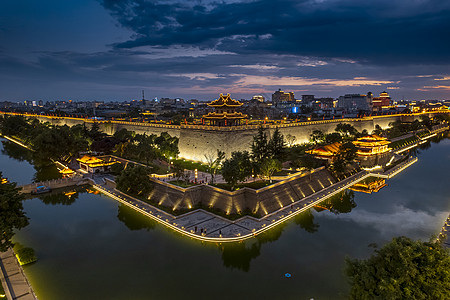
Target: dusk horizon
column 112, row 50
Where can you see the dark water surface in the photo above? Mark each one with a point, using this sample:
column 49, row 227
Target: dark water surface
column 91, row 247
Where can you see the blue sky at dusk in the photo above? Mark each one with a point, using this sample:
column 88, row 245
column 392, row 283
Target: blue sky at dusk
column 113, row 49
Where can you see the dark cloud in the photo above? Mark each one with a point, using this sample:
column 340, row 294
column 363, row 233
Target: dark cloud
column 381, row 32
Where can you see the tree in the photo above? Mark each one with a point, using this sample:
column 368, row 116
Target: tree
column 270, row 166
column 346, row 130
column 11, row 213
column 135, row 181
column 276, row 145
column 333, row 138
column 237, row 168
column 95, row 132
column 290, row 140
column 259, row 147
column 402, row 269
column 347, row 152
column 308, row 162
column 177, row 170
column 317, row 137
column 378, row 130
column 214, row 163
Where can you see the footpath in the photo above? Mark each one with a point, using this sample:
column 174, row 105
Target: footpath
column 13, row 278
column 205, row 226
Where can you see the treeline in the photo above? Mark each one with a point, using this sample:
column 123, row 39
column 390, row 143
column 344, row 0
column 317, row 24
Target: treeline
column 145, row 148
column 52, row 142
column 399, row 128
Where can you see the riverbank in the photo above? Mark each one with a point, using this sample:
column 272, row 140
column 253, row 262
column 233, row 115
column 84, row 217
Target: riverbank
column 14, row 281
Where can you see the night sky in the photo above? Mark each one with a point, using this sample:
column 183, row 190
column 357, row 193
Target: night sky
column 113, row 49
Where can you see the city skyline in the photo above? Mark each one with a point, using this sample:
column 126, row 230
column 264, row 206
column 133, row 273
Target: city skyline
column 111, row 50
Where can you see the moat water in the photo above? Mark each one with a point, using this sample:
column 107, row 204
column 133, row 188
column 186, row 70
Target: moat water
column 91, row 247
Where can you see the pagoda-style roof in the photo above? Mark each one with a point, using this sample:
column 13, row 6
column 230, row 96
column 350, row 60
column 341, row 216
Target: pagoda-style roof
column 225, row 101
column 371, row 141
column 229, row 116
column 66, row 171
column 326, row 151
column 94, row 162
column 89, row 160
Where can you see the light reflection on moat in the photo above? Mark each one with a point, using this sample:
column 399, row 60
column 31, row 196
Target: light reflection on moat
column 78, row 240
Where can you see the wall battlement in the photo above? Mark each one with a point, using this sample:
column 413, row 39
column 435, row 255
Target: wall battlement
column 196, row 141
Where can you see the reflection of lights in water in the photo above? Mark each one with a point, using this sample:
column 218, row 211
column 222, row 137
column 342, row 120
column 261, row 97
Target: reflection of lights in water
column 70, row 194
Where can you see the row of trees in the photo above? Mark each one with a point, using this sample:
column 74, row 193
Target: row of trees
column 64, row 142
column 145, row 148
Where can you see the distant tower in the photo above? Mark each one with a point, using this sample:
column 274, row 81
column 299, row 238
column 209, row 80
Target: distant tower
column 143, row 98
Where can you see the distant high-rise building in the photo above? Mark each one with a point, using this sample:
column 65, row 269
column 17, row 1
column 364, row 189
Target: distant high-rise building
column 260, row 98
column 355, row 102
column 383, row 100
column 280, row 96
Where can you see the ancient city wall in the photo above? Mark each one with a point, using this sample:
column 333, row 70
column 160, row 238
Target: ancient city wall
column 259, row 202
column 196, row 141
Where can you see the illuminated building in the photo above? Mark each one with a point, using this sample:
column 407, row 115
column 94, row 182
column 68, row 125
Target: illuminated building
column 384, row 100
column 325, row 152
column 280, row 96
column 66, row 172
column 225, row 113
column 371, row 145
column 355, row 102
column 369, row 185
column 91, row 164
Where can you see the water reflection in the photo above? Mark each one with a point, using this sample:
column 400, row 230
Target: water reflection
column 306, row 221
column 134, row 220
column 45, row 170
column 62, row 196
column 239, row 255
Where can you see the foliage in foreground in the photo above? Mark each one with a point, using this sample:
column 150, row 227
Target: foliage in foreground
column 402, row 269
column 11, row 213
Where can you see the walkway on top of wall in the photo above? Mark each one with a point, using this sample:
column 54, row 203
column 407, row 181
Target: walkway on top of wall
column 228, row 128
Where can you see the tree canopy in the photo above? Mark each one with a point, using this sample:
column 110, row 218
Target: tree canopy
column 402, row 269
column 11, row 213
column 237, row 168
column 135, row 181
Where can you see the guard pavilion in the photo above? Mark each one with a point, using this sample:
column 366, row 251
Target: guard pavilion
column 371, row 145
column 224, row 113
column 92, row 164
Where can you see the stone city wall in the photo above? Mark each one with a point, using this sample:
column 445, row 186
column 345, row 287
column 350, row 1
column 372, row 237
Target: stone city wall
column 196, row 141
column 259, row 202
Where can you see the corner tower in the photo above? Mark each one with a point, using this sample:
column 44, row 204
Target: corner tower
column 224, row 113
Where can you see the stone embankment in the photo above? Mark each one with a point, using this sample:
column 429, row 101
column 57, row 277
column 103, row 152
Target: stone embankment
column 54, row 184
column 421, row 140
column 13, row 278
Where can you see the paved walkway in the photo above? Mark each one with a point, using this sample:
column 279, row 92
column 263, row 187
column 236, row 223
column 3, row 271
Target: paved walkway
column 206, row 226
column 13, row 278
